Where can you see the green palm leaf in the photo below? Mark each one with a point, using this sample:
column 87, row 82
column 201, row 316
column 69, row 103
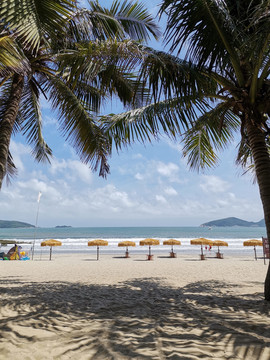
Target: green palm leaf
column 10, row 59
column 11, row 170
column 79, row 126
column 94, row 57
column 135, row 20
column 34, row 21
column 195, row 21
column 122, row 19
column 213, row 130
column 167, row 75
column 171, row 117
column 31, row 122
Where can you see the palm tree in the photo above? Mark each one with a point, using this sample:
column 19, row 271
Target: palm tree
column 221, row 88
column 51, row 40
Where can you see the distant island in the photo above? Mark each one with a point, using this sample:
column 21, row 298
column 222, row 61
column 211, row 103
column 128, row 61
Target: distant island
column 14, row 224
column 63, row 226
column 233, row 221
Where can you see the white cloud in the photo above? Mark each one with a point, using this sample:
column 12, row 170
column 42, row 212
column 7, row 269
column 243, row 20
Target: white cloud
column 82, row 171
column 139, row 176
column 18, row 150
column 57, row 166
column 74, row 196
column 222, row 203
column 169, row 170
column 32, row 187
column 109, row 197
column 119, row 197
column 137, row 156
column 213, row 184
column 50, row 120
column 174, row 145
column 170, row 191
column 73, row 170
column 161, row 199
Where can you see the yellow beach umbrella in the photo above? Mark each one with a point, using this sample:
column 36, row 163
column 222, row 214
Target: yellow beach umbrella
column 202, row 242
column 219, row 243
column 98, row 243
column 126, row 244
column 172, row 242
column 254, row 243
column 149, row 242
column 51, row 243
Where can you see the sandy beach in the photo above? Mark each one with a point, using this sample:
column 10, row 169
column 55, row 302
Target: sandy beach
column 75, row 307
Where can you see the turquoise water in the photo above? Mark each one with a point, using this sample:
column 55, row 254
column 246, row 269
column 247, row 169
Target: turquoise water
column 75, row 239
column 236, row 232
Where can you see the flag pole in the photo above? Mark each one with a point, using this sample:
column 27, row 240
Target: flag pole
column 33, row 248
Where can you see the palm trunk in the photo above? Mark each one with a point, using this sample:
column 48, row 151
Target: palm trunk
column 262, row 167
column 7, row 123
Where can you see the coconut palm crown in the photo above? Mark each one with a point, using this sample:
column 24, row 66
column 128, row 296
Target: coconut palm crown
column 52, row 48
column 213, row 84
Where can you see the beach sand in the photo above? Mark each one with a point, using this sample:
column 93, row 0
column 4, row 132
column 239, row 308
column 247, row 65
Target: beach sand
column 75, row 307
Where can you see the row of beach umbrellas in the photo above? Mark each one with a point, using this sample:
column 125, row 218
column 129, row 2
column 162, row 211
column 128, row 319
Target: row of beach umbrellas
column 152, row 242
column 220, row 243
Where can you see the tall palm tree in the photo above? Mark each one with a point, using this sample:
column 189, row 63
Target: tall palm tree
column 51, row 39
column 220, row 88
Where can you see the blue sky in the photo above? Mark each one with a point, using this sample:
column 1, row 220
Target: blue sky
column 148, row 186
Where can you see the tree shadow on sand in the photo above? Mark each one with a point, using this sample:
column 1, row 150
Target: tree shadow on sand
column 139, row 319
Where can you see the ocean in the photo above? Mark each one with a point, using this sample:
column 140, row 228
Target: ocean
column 74, row 240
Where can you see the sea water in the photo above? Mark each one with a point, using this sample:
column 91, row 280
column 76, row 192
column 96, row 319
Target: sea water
column 74, row 240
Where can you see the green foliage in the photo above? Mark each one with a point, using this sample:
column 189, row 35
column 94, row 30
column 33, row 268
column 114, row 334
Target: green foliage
column 14, row 224
column 233, row 221
column 76, row 58
column 220, row 86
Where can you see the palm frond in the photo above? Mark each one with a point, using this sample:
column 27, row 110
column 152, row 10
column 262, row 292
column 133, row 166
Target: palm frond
column 90, row 95
column 121, row 20
column 11, row 170
column 79, row 127
column 105, row 65
column 213, row 130
column 171, row 117
column 91, row 58
column 33, row 21
column 90, row 25
column 5, row 92
column 135, row 20
column 168, row 76
column 10, row 58
column 245, row 159
column 31, row 123
column 207, row 29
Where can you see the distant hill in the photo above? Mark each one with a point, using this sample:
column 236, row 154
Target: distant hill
column 233, row 221
column 14, row 224
column 63, row 226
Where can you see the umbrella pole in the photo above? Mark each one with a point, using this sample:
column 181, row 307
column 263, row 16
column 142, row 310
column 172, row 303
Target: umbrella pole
column 202, row 256
column 97, row 252
column 149, row 250
column 50, row 252
column 255, row 252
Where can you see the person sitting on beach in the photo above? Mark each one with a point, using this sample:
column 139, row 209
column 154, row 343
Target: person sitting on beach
column 13, row 254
